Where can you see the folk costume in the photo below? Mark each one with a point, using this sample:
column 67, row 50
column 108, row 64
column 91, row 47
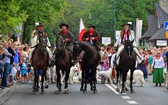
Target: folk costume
column 93, row 37
column 124, row 36
column 35, row 41
column 67, row 36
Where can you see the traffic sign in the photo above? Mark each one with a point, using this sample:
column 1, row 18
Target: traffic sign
column 166, row 26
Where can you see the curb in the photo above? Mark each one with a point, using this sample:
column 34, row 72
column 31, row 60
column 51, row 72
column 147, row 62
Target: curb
column 7, row 92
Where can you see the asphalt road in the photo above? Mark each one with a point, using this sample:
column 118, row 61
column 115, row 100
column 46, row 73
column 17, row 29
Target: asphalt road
column 147, row 95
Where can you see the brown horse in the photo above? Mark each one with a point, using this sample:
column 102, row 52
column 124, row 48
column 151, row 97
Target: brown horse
column 40, row 60
column 127, row 62
column 63, row 62
column 90, row 61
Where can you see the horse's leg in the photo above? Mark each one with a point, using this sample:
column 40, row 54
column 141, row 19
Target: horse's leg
column 94, row 80
column 66, row 81
column 42, row 81
column 35, row 82
column 86, row 80
column 124, row 74
column 82, row 81
column 91, row 79
column 131, row 79
column 58, row 80
column 117, row 82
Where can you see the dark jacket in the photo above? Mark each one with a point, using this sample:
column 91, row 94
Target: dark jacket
column 68, row 36
column 97, row 37
column 10, row 50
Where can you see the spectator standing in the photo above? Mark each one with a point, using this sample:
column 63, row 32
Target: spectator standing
column 158, row 64
column 150, row 61
column 6, row 65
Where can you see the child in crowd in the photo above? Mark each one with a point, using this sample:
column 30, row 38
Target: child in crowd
column 23, row 69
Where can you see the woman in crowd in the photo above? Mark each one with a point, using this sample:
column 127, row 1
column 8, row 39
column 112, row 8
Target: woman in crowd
column 158, row 64
column 150, row 61
column 142, row 66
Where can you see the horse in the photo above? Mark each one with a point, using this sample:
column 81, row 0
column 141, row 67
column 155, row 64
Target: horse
column 90, row 61
column 127, row 62
column 62, row 62
column 40, row 60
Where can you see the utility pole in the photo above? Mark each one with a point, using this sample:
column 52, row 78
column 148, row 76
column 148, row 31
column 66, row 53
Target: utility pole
column 114, row 16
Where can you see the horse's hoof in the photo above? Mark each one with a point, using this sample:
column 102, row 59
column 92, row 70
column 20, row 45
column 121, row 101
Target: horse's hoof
column 84, row 91
column 117, row 89
column 42, row 92
column 122, row 91
column 81, row 89
column 37, row 90
column 126, row 89
column 132, row 91
column 33, row 93
column 66, row 91
column 91, row 89
column 46, row 86
column 95, row 91
column 56, row 92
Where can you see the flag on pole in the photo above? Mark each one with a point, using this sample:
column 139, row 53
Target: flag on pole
column 82, row 30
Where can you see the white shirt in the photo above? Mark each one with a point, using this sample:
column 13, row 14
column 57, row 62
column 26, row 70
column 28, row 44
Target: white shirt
column 158, row 63
column 131, row 38
column 112, row 60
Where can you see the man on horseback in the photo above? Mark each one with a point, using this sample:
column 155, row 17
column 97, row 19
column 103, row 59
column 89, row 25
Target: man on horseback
column 37, row 34
column 126, row 34
column 92, row 36
column 67, row 36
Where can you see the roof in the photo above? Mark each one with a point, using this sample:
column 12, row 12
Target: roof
column 159, row 34
column 152, row 26
column 161, row 14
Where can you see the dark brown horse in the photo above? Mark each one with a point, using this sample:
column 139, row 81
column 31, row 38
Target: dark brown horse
column 63, row 62
column 40, row 60
column 90, row 61
column 127, row 62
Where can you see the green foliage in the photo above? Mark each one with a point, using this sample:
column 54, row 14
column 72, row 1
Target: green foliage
column 54, row 12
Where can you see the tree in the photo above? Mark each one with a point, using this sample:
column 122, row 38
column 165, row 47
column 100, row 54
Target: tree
column 10, row 16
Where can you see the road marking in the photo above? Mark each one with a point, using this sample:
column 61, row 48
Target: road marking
column 111, row 88
column 126, row 97
column 132, row 102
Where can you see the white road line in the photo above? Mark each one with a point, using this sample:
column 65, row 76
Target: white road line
column 126, row 97
column 111, row 88
column 132, row 102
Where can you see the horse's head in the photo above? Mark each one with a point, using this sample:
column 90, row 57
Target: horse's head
column 61, row 43
column 42, row 40
column 129, row 47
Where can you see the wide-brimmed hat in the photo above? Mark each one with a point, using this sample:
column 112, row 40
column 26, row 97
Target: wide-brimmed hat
column 127, row 23
column 40, row 24
column 63, row 24
column 90, row 25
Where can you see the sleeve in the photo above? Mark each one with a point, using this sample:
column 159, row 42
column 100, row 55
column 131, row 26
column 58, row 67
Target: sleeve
column 12, row 51
column 6, row 52
column 118, row 42
column 163, row 64
column 84, row 37
column 153, row 63
column 97, row 37
column 132, row 38
column 71, row 37
column 112, row 60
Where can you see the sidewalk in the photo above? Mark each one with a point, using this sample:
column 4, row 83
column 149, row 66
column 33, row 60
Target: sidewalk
column 7, row 92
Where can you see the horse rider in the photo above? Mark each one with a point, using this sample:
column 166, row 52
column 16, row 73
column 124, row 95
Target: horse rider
column 92, row 36
column 36, row 34
column 67, row 36
column 126, row 34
